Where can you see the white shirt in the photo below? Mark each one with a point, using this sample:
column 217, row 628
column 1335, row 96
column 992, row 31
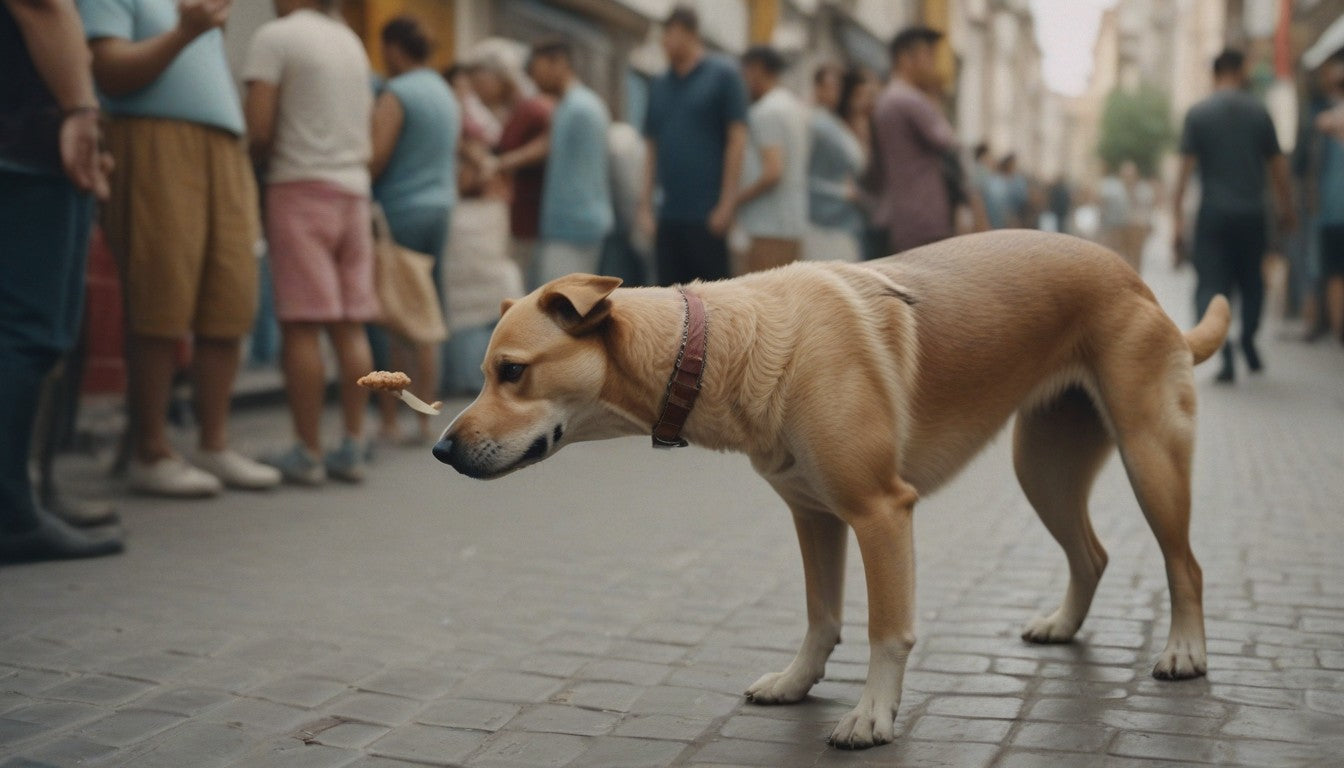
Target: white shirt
column 322, row 130
column 777, row 119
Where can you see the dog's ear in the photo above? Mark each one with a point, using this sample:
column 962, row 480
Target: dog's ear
column 578, row 303
column 504, row 306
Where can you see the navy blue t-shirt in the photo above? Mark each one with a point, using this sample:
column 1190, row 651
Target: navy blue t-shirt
column 688, row 119
column 30, row 120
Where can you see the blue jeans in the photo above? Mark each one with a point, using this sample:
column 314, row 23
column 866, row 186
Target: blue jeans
column 45, row 224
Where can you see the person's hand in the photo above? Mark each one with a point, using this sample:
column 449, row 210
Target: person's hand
column 196, row 17
column 720, row 219
column 645, row 223
column 85, row 164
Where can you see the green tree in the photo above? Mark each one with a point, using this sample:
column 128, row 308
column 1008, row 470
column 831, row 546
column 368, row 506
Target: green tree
column 1135, row 126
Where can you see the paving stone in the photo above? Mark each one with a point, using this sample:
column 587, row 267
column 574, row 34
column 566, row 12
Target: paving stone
column 940, row 728
column 16, row 731
column 772, row 729
column 184, row 701
column 997, row 707
column 517, row 749
column 553, row 718
column 1068, row 737
column 925, row 754
column 55, row 715
column 465, row 713
column 128, row 726
column 258, row 715
column 351, row 735
column 668, row 727
column 760, row 753
column 688, row 702
column 296, row 754
column 68, row 751
column 306, row 692
column 410, row 683
column 614, row 697
column 200, row 745
column 156, row 667
column 550, row 664
column 428, row 744
column 1156, row 722
column 374, row 708
column 98, row 689
column 629, row 753
column 508, row 686
column 621, row 671
column 1201, row 749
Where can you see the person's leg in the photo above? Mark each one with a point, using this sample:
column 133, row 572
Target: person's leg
column 301, row 362
column 214, row 368
column 1334, row 304
column 153, row 361
column 353, row 360
column 1213, row 275
column 1249, row 257
column 667, row 253
column 706, row 253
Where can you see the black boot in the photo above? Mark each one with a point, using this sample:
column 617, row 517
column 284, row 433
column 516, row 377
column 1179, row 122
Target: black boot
column 1228, row 374
column 1252, row 355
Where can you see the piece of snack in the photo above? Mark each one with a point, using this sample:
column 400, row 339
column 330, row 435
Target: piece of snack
column 395, row 383
column 385, row 381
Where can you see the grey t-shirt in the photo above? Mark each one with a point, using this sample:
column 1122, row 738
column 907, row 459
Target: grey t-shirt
column 1231, row 136
column 778, row 120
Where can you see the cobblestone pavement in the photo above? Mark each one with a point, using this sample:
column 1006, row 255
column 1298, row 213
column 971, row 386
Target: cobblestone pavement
column 581, row 613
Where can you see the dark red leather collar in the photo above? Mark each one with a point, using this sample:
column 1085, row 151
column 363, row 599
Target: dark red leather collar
column 683, row 387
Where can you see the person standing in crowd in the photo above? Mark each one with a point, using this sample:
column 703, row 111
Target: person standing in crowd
column 1114, row 204
column 50, row 166
column 834, row 166
column 1060, row 201
column 771, row 202
column 1230, row 138
column 696, row 130
column 1019, row 192
column 576, row 213
column 911, row 136
column 306, row 70
column 182, row 222
column 521, row 150
column 992, row 186
column 1329, row 198
column 858, row 97
column 416, row 123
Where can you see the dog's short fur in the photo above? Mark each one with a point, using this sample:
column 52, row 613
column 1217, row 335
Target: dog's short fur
column 855, row 388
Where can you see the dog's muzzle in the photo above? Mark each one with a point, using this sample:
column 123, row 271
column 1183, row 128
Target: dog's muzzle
column 443, row 450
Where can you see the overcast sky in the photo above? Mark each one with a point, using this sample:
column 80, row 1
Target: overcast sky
column 1066, row 30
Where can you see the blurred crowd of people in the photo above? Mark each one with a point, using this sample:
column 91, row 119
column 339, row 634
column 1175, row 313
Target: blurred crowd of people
column 506, row 170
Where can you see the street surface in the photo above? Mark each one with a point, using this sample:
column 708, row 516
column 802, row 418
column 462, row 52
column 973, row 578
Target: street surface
column 607, row 608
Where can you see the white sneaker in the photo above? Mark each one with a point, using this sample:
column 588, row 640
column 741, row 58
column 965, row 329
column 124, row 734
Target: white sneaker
column 172, row 477
column 236, row 470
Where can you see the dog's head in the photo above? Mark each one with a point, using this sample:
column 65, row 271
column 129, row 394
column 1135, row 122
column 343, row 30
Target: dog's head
column 544, row 372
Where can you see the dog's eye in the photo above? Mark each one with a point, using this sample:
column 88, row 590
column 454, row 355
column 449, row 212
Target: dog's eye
column 511, row 372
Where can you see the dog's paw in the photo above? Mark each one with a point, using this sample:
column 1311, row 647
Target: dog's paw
column 1050, row 629
column 780, row 688
column 1181, row 661
column 867, row 725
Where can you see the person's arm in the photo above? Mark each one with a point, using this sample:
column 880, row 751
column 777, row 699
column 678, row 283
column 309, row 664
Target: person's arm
column 1178, row 206
column 1283, row 193
column 388, row 117
column 644, row 217
column 532, row 153
column 122, row 66
column 722, row 216
column 54, row 36
column 932, row 127
column 259, row 109
column 772, row 170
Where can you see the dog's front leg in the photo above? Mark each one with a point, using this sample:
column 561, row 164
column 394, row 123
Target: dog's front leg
column 884, row 529
column 821, row 539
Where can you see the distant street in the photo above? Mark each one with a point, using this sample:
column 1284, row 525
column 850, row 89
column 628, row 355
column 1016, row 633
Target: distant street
column 583, row 613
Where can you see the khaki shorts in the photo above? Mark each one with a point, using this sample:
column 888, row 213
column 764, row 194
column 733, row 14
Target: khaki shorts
column 182, row 223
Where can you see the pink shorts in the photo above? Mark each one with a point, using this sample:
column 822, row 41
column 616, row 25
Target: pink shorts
column 321, row 251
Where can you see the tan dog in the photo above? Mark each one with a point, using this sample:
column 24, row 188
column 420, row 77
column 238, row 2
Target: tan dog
column 855, row 388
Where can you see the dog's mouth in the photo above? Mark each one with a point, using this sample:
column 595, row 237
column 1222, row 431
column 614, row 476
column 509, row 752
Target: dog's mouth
column 471, row 465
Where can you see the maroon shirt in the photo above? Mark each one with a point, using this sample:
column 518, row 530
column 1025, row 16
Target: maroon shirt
column 530, row 119
column 910, row 137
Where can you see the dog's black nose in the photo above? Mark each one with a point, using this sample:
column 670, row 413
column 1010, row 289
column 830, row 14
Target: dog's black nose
column 443, row 450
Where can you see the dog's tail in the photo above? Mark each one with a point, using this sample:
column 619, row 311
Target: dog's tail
column 1207, row 337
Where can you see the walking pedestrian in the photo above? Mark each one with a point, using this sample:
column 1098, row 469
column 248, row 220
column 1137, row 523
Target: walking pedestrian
column 771, row 202
column 1329, row 203
column 834, row 165
column 1230, row 138
column 696, row 130
column 576, row 212
column 911, row 136
column 182, row 221
column 416, row 123
column 309, row 109
column 50, row 168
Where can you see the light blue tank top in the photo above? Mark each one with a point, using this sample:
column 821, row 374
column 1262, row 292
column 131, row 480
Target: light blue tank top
column 422, row 171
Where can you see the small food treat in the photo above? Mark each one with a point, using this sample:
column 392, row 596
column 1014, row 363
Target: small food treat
column 385, row 381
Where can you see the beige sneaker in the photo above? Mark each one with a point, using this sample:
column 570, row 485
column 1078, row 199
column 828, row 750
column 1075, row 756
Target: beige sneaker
column 172, row 477
column 236, row 470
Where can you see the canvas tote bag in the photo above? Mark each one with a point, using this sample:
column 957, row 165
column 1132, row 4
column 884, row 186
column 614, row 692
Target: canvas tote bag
column 405, row 283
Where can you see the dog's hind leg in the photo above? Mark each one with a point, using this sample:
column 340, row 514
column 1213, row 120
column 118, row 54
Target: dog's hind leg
column 1156, row 437
column 1058, row 447
column 822, row 538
